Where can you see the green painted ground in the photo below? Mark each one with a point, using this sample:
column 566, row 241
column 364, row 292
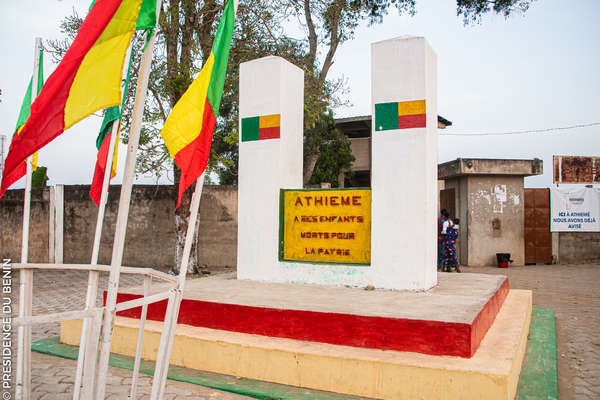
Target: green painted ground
column 539, row 379
column 243, row 386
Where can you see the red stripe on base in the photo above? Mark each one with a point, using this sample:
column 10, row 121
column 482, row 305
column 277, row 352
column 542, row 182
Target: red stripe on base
column 484, row 320
column 193, row 158
column 268, row 133
column 46, row 120
column 412, row 121
column 428, row 337
column 101, row 158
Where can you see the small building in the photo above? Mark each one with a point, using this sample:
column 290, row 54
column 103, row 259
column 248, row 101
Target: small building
column 358, row 129
column 487, row 195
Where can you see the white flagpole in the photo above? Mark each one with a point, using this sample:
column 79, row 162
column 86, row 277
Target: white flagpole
column 124, row 201
column 162, row 367
column 92, row 289
column 166, row 346
column 115, row 134
column 23, row 383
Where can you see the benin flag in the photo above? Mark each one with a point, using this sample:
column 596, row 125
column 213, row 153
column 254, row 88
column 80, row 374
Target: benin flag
column 261, row 128
column 87, row 79
column 189, row 129
column 400, row 115
column 21, row 169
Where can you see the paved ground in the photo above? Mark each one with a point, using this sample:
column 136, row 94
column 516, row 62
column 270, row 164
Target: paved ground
column 53, row 377
column 571, row 290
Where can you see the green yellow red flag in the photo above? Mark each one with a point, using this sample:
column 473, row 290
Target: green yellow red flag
column 87, row 79
column 188, row 130
column 21, row 170
column 261, row 128
column 146, row 21
column 400, row 115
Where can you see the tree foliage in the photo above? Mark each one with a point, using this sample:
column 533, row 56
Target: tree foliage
column 472, row 10
column 39, row 177
column 185, row 33
column 325, row 26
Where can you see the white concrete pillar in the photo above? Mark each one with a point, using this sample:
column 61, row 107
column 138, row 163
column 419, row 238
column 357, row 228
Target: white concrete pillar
column 269, row 159
column 404, row 164
column 59, row 212
column 51, row 226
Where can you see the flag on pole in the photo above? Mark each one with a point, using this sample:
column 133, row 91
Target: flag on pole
column 188, row 130
column 87, row 79
column 21, row 169
column 102, row 144
column 146, row 21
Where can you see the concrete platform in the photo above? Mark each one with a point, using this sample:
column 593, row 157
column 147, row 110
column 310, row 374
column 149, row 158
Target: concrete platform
column 492, row 373
column 450, row 319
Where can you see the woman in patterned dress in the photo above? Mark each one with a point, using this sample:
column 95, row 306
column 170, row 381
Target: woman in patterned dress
column 450, row 234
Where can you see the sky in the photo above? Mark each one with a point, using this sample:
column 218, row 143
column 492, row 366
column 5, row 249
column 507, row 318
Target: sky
column 536, row 70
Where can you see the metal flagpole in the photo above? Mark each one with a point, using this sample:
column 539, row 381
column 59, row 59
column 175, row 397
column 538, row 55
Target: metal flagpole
column 23, row 384
column 123, row 213
column 93, row 275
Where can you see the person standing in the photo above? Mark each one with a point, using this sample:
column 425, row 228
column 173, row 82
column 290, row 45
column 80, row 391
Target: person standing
column 450, row 234
column 440, row 240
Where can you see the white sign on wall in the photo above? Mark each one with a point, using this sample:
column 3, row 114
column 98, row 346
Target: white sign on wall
column 575, row 210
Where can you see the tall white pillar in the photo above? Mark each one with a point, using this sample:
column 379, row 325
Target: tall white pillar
column 404, row 163
column 59, row 217
column 271, row 95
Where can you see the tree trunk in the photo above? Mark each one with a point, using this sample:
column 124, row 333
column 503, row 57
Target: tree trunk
column 182, row 217
column 309, row 167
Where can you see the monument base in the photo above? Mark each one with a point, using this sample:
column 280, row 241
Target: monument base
column 450, row 319
column 491, row 373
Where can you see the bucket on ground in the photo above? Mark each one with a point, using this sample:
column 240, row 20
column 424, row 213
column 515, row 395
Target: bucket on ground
column 503, row 259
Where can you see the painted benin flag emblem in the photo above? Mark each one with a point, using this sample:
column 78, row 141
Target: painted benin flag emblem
column 261, row 128
column 400, row 115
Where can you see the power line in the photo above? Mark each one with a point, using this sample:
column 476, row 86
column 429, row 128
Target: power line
column 523, row 132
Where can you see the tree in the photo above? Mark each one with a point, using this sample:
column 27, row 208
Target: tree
column 186, row 29
column 39, row 177
column 328, row 24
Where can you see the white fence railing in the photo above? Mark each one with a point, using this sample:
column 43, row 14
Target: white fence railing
column 86, row 374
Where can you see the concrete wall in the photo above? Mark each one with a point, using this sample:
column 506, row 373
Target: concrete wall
column 11, row 215
column 579, row 247
column 361, row 150
column 150, row 240
column 488, row 166
column 151, row 243
column 485, row 204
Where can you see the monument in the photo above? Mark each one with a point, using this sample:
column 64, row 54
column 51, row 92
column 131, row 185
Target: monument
column 298, row 314
column 382, row 236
